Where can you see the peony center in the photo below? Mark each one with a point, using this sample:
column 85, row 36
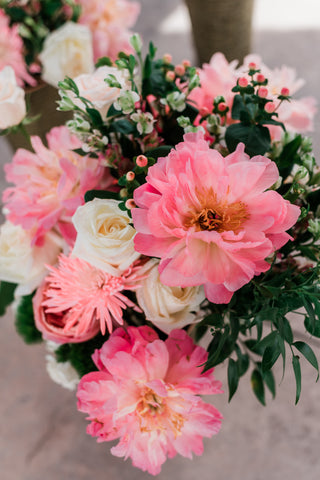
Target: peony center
column 219, row 216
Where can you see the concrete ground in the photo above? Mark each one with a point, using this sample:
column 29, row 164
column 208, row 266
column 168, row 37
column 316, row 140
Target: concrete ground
column 42, row 436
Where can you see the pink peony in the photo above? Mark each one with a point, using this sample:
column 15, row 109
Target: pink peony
column 109, row 21
column 209, row 218
column 217, row 79
column 147, row 395
column 77, row 300
column 50, row 184
column 11, row 51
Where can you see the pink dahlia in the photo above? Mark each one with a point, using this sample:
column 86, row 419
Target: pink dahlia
column 11, row 51
column 109, row 22
column 77, row 300
column 49, row 185
column 209, row 218
column 147, row 395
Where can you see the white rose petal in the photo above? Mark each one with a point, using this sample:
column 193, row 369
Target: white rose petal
column 94, row 88
column 168, row 307
column 22, row 263
column 67, row 52
column 12, row 101
column 104, row 236
column 62, row 373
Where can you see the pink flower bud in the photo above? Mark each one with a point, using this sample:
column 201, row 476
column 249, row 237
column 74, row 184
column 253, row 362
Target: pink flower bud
column 130, row 203
column 252, row 66
column 270, row 107
column 130, row 176
column 167, row 58
column 243, row 82
column 285, row 92
column 260, row 78
column 204, row 111
column 170, row 76
column 263, row 92
column 186, row 63
column 141, row 161
column 180, row 70
column 222, row 107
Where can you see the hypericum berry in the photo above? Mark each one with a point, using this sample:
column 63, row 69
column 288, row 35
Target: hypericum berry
column 260, row 78
column 180, row 70
column 270, row 107
column 204, row 111
column 130, row 176
column 186, row 63
column 222, row 107
column 263, row 92
column 252, row 66
column 243, row 82
column 285, row 92
column 123, row 193
column 167, row 58
column 130, row 203
column 170, row 76
column 141, row 161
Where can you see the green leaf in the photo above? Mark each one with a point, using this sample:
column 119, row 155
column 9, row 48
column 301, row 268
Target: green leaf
column 268, row 378
column 161, row 151
column 91, row 194
column 308, row 354
column 6, row 295
column 270, row 356
column 213, row 320
column 243, row 361
column 285, row 329
column 233, row 377
column 123, row 126
column 309, row 309
column 297, row 374
column 255, row 137
column 312, row 327
column 237, row 107
column 267, row 341
column 24, row 321
column 104, row 61
column 258, row 386
column 95, row 116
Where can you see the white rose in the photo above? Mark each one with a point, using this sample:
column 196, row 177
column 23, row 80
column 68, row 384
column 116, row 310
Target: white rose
column 12, row 102
column 104, row 236
column 67, row 52
column 22, row 263
column 167, row 307
column 62, row 373
column 94, row 88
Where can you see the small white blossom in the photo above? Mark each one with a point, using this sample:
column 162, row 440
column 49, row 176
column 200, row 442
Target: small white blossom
column 175, row 100
column 126, row 101
column 144, row 121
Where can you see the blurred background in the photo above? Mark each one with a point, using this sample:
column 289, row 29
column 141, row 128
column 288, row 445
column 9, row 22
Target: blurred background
column 42, row 436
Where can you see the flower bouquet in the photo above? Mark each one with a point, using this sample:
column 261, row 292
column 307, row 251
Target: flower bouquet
column 172, row 225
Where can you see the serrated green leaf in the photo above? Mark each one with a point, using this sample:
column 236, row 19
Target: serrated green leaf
column 258, row 386
column 233, row 378
column 308, row 354
column 297, row 374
